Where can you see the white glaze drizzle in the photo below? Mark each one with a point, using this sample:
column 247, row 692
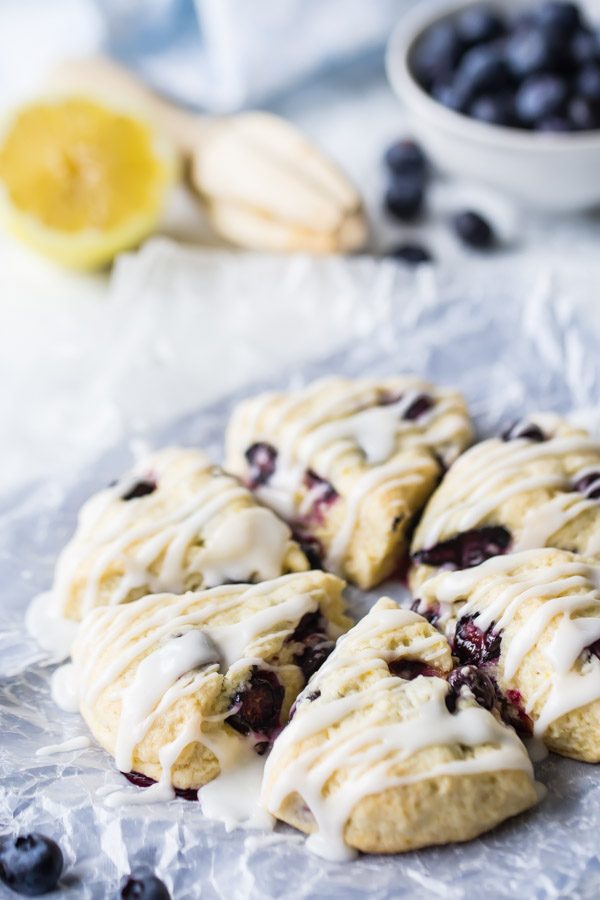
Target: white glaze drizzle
column 177, row 666
column 49, row 628
column 491, row 473
column 249, row 544
column 81, row 742
column 346, row 418
column 577, row 584
column 372, row 750
column 63, row 687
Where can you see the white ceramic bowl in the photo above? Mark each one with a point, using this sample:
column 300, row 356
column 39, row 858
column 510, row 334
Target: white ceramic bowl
column 558, row 172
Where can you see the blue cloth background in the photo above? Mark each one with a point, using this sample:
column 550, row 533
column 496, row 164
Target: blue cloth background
column 222, row 55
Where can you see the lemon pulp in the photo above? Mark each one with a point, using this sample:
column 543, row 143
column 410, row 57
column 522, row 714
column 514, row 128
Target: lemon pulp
column 82, row 181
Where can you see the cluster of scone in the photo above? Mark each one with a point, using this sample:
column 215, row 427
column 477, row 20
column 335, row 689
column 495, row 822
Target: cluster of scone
column 211, row 635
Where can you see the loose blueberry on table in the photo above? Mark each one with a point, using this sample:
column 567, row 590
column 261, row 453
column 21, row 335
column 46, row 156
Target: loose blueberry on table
column 411, row 254
column 408, row 173
column 474, row 230
column 143, row 887
column 538, row 70
column 30, row 864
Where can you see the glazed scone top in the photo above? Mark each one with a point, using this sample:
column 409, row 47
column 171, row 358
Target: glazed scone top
column 360, row 730
column 539, row 484
column 175, row 522
column 157, row 675
column 357, row 436
column 544, row 605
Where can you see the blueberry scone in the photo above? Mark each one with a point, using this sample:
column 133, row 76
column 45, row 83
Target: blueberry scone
column 175, row 523
column 383, row 754
column 536, row 486
column 349, row 463
column 177, row 688
column 530, row 622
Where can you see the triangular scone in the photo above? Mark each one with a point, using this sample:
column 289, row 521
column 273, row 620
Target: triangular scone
column 349, row 463
column 375, row 762
column 531, row 621
column 536, row 486
column 175, row 686
column 176, row 522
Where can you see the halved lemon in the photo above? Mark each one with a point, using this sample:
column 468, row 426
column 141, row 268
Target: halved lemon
column 80, row 181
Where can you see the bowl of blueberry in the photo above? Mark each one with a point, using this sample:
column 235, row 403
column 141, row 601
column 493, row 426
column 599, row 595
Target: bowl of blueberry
column 507, row 93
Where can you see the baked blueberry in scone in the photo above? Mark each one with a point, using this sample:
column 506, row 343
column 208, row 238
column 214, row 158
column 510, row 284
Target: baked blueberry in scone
column 349, row 464
column 176, row 522
column 536, row 486
column 530, row 621
column 383, row 754
column 179, row 688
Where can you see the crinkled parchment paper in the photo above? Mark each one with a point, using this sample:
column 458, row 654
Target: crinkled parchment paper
column 508, row 335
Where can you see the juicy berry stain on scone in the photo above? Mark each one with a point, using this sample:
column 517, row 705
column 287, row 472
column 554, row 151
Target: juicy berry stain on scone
column 383, row 754
column 536, row 486
column 183, row 690
column 530, row 621
column 349, row 464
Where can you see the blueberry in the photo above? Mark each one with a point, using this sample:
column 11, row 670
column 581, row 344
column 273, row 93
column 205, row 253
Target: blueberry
column 30, row 864
column 495, row 109
column 404, row 197
column 523, row 429
column 429, row 611
column 448, row 95
column 143, row 781
column 257, row 703
column 311, row 632
column 406, row 158
column 413, row 254
column 473, row 680
column 420, row 405
column 324, row 495
column 473, row 230
column 520, row 21
column 589, row 485
column 482, row 69
column 467, row 549
column 409, row 669
column 584, row 48
column 559, row 16
column 437, row 53
column 474, row 646
column 532, row 51
column 312, row 549
column 541, row 96
column 143, row 887
column 587, row 82
column 477, row 25
column 262, row 460
column 584, row 114
column 140, row 489
column 317, row 648
column 594, row 649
